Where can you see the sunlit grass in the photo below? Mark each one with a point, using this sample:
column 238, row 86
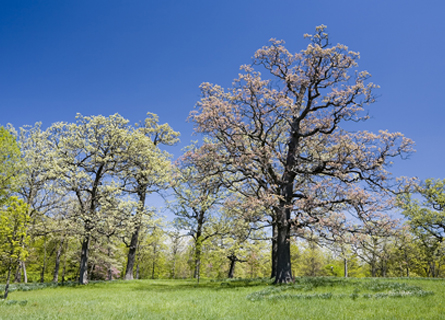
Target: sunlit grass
column 308, row 298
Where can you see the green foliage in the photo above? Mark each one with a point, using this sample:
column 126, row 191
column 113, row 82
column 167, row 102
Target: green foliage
column 152, row 255
column 427, row 215
column 13, row 230
column 11, row 163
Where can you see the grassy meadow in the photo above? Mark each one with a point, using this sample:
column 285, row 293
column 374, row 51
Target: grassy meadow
column 308, row 298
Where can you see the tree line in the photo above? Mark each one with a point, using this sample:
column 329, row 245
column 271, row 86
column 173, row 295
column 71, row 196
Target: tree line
column 276, row 163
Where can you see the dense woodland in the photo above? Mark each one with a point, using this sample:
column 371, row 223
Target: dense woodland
column 277, row 186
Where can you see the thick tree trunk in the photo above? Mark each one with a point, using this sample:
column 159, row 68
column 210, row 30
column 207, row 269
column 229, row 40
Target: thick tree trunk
column 57, row 264
column 345, row 267
column 283, row 212
column 83, row 273
column 131, row 257
column 274, row 249
column 284, row 271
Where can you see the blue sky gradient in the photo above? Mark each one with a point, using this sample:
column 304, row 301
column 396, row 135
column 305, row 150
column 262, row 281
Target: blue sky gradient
column 58, row 58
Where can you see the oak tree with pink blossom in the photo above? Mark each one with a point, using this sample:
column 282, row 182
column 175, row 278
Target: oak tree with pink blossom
column 279, row 140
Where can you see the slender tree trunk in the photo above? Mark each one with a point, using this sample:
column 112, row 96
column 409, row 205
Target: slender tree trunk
column 153, row 269
column 57, row 264
column 8, row 278
column 345, row 267
column 109, row 271
column 233, row 259
column 198, row 248
column 25, row 274
column 42, row 273
column 274, row 249
column 63, row 271
column 231, row 269
column 137, row 271
column 18, row 273
column 174, row 266
column 90, row 274
column 64, row 263
column 373, row 269
column 83, row 274
column 131, row 257
column 154, row 259
column 433, row 269
column 197, row 260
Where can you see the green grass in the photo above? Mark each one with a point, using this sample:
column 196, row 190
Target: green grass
column 308, row 298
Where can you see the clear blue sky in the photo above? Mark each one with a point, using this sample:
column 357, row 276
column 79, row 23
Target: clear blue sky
column 58, row 58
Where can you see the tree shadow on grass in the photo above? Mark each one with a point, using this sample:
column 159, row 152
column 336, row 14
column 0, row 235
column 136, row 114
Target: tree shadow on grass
column 179, row 285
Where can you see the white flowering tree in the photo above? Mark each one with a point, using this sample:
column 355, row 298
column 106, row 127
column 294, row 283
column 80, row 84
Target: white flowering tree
column 86, row 156
column 37, row 188
column 147, row 170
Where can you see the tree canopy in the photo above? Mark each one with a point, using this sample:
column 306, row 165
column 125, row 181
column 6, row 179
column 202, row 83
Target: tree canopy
column 278, row 139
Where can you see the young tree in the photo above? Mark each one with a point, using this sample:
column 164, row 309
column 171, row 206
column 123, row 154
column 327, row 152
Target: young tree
column 176, row 246
column 281, row 137
column 13, row 235
column 197, row 205
column 372, row 244
column 405, row 250
column 37, row 189
column 313, row 260
column 148, row 170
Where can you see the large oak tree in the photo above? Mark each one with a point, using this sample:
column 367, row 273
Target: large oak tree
column 279, row 139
